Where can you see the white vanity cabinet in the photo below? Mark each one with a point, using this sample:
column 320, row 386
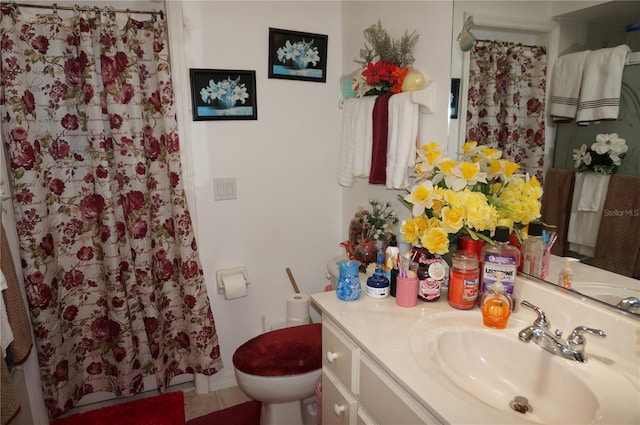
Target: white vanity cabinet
column 356, row 390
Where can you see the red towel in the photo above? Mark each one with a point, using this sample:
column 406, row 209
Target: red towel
column 378, row 174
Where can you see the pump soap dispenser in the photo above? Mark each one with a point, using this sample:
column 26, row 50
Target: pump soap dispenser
column 496, row 305
column 565, row 278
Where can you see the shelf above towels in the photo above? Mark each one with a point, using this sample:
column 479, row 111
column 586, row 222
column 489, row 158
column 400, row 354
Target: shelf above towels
column 426, row 98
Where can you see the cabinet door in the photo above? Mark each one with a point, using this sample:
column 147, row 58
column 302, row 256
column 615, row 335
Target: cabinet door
column 340, row 355
column 339, row 407
column 385, row 401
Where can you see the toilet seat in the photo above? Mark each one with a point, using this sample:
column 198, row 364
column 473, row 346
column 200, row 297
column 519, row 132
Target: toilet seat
column 289, row 351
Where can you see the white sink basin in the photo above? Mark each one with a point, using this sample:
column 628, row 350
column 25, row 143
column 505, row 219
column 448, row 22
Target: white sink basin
column 609, row 293
column 493, row 367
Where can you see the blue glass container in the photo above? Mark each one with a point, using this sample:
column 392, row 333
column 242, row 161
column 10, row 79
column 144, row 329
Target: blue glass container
column 348, row 287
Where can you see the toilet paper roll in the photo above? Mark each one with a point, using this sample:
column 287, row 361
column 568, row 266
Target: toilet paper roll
column 235, row 286
column 296, row 322
column 298, row 309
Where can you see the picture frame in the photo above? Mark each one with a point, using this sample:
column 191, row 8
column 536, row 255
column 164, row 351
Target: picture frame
column 223, row 94
column 454, row 98
column 286, row 62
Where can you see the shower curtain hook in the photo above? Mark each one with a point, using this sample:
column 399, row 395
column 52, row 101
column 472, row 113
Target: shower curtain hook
column 55, row 9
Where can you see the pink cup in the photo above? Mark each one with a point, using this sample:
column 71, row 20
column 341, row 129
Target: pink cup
column 407, row 290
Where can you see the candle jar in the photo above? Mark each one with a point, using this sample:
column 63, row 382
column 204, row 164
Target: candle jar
column 464, row 280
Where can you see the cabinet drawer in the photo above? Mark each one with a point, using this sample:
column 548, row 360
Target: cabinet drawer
column 385, row 401
column 339, row 407
column 340, row 355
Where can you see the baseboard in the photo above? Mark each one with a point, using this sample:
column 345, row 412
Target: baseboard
column 222, row 380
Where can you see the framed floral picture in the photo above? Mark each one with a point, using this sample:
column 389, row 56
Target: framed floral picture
column 295, row 55
column 223, row 94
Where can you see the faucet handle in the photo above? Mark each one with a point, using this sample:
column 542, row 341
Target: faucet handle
column 541, row 321
column 576, row 339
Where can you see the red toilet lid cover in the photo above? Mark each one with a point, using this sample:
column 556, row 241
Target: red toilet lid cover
column 288, row 351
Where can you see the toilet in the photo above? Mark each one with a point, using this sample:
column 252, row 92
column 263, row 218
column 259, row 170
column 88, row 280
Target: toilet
column 280, row 368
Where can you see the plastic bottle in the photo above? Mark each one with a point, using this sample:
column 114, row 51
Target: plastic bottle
column 565, row 277
column 533, row 249
column 496, row 305
column 431, row 274
column 391, row 255
column 464, row 280
column 500, row 257
column 378, row 285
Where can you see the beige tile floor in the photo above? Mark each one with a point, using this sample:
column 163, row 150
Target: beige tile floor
column 196, row 405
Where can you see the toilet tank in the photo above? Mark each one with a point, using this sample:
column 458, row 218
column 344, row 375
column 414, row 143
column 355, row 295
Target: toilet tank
column 333, row 272
column 332, row 269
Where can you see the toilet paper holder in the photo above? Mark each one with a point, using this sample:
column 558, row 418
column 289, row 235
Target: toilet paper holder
column 220, row 275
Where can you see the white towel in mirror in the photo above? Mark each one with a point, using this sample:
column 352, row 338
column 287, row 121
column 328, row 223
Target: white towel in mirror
column 584, row 223
column 566, row 81
column 602, row 84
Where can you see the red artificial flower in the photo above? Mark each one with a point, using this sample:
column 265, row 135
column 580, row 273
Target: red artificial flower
column 399, row 75
column 378, row 72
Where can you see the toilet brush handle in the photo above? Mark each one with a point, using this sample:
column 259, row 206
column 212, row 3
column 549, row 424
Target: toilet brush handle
column 331, row 356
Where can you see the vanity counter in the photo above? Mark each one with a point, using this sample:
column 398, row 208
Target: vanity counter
column 382, row 330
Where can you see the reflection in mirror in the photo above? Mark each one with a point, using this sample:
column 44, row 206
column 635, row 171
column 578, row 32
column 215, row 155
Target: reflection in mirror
column 563, row 27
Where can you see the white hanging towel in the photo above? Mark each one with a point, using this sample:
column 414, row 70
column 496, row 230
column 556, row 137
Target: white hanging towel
column 601, row 84
column 363, row 138
column 584, row 220
column 347, row 137
column 401, row 144
column 566, row 80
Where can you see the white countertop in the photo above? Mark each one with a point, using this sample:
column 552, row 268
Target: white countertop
column 383, row 330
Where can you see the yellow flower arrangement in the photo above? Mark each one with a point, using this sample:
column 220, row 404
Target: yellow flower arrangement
column 470, row 196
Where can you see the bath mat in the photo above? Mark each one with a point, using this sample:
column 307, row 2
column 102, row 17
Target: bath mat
column 165, row 409
column 247, row 413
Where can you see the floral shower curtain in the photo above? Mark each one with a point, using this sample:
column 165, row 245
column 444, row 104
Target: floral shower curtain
column 506, row 101
column 112, row 273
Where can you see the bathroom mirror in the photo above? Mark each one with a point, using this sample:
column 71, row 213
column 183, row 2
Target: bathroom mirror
column 547, row 18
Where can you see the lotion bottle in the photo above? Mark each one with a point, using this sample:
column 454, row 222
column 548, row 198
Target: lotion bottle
column 533, row 250
column 378, row 285
column 565, row 278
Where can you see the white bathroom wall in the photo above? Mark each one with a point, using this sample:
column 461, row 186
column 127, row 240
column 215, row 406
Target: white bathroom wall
column 432, row 22
column 288, row 205
column 290, row 211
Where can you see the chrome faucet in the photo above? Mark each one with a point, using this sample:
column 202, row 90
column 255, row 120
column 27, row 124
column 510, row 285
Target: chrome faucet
column 629, row 303
column 573, row 349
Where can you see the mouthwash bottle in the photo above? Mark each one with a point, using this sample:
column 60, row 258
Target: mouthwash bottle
column 500, row 257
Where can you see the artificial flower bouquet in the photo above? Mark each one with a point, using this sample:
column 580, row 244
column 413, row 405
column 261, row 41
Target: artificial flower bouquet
column 369, row 231
column 604, row 156
column 385, row 64
column 470, row 196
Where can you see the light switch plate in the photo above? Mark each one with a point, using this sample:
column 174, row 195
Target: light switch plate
column 224, row 189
